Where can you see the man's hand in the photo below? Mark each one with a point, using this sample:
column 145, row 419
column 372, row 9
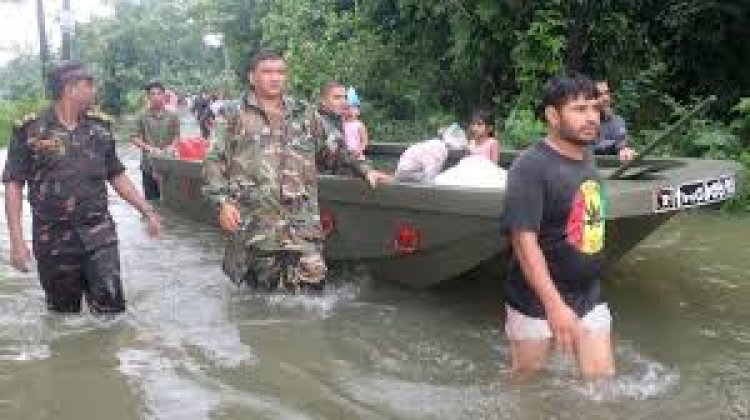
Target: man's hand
column 626, row 154
column 564, row 325
column 377, row 178
column 137, row 142
column 20, row 257
column 229, row 217
column 153, row 224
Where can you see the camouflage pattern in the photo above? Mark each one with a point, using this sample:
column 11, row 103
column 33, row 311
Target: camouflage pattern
column 267, row 165
column 67, row 278
column 66, row 173
column 158, row 129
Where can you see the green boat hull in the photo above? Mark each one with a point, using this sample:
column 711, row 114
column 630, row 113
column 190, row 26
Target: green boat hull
column 454, row 230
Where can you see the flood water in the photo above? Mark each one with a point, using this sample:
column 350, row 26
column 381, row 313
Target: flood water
column 193, row 346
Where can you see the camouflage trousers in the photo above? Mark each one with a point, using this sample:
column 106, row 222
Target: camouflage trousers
column 66, row 279
column 285, row 270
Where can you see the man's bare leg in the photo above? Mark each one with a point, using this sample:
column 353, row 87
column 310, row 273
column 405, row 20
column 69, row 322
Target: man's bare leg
column 528, row 357
column 595, row 355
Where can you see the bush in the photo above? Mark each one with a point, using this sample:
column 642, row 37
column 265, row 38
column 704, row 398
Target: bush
column 699, row 137
column 741, row 124
column 520, row 129
column 741, row 201
column 383, row 128
column 12, row 110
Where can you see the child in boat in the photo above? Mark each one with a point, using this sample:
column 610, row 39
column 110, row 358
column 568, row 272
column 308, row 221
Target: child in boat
column 481, row 136
column 355, row 131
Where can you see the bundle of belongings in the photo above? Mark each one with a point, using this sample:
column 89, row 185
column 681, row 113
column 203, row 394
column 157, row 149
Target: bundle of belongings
column 424, row 162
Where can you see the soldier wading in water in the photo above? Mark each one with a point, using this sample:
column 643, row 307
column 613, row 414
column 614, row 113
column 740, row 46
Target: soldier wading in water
column 262, row 178
column 66, row 156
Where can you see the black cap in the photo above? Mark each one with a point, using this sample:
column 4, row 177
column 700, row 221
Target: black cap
column 154, row 84
column 66, row 72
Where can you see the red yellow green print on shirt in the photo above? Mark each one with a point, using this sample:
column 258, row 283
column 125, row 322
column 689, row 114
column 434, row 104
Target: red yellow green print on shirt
column 585, row 227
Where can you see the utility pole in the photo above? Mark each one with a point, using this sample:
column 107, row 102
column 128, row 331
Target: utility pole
column 43, row 47
column 67, row 26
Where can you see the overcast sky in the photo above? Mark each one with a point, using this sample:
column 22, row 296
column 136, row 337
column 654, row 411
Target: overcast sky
column 18, row 27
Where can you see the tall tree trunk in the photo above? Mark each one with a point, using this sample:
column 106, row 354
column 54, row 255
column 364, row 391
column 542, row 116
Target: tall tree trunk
column 581, row 13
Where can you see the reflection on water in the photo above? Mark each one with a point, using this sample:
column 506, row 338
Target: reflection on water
column 193, row 346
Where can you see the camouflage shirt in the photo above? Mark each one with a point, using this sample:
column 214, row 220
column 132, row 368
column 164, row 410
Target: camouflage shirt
column 268, row 166
column 158, row 129
column 66, row 172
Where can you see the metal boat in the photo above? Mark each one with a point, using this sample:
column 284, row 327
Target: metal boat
column 421, row 235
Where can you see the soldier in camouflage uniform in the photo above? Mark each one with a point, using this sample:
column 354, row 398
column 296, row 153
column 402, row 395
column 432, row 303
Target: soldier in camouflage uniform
column 262, row 177
column 66, row 155
column 156, row 132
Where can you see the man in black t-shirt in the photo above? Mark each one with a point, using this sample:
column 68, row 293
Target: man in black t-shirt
column 554, row 210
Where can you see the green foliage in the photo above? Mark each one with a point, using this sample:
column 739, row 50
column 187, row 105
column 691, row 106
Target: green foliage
column 382, row 128
column 741, row 124
column 21, row 78
column 146, row 40
column 538, row 55
column 318, row 40
column 521, row 128
column 741, row 202
column 699, row 137
column 12, row 110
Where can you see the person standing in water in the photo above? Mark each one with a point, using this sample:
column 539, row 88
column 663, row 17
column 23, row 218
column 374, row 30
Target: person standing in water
column 66, row 156
column 157, row 131
column 262, row 176
column 554, row 214
column 482, row 139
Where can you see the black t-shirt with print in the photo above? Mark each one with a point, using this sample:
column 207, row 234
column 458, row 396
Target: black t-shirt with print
column 563, row 201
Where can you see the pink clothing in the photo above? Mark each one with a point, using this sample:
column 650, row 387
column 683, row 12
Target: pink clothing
column 488, row 149
column 353, row 136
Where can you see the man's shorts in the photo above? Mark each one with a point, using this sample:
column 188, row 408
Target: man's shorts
column 523, row 327
column 95, row 275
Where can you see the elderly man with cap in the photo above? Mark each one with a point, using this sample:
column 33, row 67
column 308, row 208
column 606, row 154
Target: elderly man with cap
column 66, row 156
column 156, row 132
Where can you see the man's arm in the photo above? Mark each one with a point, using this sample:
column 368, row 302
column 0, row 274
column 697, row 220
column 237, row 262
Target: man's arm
column 216, row 185
column 175, row 131
column 345, row 157
column 622, row 142
column 562, row 320
column 124, row 187
column 19, row 251
column 127, row 191
column 17, row 171
column 13, row 209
